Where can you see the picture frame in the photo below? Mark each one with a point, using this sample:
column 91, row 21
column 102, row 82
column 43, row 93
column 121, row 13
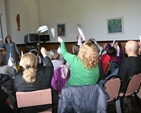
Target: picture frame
column 115, row 25
column 61, row 29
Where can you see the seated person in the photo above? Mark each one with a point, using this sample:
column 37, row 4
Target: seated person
column 117, row 46
column 83, row 67
column 35, row 52
column 75, row 49
column 35, row 79
column 119, row 55
column 40, row 63
column 130, row 65
column 105, row 47
column 55, row 59
column 5, row 69
column 106, row 58
column 92, row 40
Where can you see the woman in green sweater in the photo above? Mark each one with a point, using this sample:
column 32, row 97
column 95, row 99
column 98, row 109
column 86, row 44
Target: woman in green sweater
column 83, row 67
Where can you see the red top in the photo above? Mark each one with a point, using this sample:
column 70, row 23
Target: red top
column 105, row 59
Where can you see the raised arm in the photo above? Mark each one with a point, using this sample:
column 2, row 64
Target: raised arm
column 16, row 48
column 79, row 40
column 46, row 59
column 66, row 55
column 99, row 47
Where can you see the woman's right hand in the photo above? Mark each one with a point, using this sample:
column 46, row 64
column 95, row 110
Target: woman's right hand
column 80, row 37
column 60, row 39
column 43, row 51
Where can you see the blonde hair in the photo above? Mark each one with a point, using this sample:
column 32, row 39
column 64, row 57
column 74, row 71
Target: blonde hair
column 88, row 54
column 29, row 63
column 54, row 55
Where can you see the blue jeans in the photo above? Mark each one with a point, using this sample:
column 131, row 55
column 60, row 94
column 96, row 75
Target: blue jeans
column 102, row 82
column 114, row 66
column 115, row 72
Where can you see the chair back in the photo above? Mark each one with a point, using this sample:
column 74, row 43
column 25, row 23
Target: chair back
column 101, row 71
column 113, row 87
column 34, row 98
column 133, row 85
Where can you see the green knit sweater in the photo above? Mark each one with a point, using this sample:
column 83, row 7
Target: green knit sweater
column 78, row 74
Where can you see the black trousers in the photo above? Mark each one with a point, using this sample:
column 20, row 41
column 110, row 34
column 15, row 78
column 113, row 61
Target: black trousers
column 5, row 108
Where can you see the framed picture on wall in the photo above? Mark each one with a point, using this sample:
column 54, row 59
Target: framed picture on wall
column 115, row 25
column 61, row 29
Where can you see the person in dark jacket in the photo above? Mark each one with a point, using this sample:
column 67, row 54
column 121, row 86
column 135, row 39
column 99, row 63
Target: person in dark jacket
column 130, row 65
column 34, row 78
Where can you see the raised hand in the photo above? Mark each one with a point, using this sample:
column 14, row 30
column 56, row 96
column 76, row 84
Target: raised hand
column 43, row 51
column 92, row 39
column 60, row 39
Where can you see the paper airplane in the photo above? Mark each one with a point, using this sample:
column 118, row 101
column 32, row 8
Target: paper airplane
column 53, row 32
column 20, row 64
column 140, row 38
column 81, row 32
column 59, row 50
column 10, row 61
column 118, row 50
column 42, row 29
column 20, row 60
column 21, row 53
column 113, row 43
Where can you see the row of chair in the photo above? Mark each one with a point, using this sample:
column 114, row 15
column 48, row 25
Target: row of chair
column 41, row 97
column 113, row 86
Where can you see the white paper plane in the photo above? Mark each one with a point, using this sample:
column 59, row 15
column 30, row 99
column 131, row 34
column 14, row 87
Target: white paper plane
column 42, row 29
column 53, row 32
column 81, row 32
column 21, row 53
column 140, row 38
column 10, row 61
column 118, row 50
column 59, row 50
column 113, row 43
